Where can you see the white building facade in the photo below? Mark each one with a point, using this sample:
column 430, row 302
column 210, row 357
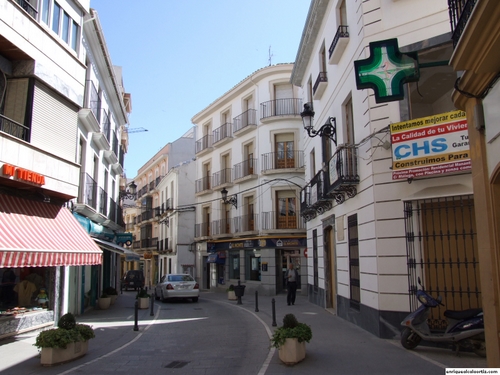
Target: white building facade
column 42, row 80
column 145, row 216
column 372, row 229
column 249, row 148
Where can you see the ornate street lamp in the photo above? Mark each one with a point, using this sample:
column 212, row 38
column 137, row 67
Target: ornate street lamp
column 130, row 193
column 329, row 129
column 233, row 200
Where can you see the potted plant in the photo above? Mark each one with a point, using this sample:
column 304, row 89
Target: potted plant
column 112, row 293
column 143, row 299
column 104, row 301
column 290, row 339
column 230, row 293
column 63, row 344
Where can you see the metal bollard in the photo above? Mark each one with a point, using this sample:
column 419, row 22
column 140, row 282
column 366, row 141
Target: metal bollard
column 274, row 313
column 136, row 316
column 256, row 301
column 152, row 305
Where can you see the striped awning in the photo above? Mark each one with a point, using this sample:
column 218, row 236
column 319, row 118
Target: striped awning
column 37, row 234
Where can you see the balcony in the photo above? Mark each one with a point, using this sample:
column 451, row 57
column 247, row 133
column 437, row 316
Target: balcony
column 245, row 122
column 276, row 162
column 163, row 247
column 169, row 204
column 223, row 178
column 460, row 12
column 202, row 230
column 221, row 228
column 203, row 186
column 102, row 137
column 343, row 173
column 313, row 198
column 245, row 170
column 280, row 108
column 87, row 202
column 339, row 44
column 111, row 155
column 275, row 221
column 103, row 202
column 14, row 128
column 246, row 224
column 204, row 145
column 149, row 243
column 223, row 134
column 320, row 85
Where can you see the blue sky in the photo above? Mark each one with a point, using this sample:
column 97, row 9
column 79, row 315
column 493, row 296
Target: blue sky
column 179, row 56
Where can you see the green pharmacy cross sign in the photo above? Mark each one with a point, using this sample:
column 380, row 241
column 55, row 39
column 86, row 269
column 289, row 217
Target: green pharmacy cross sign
column 386, row 70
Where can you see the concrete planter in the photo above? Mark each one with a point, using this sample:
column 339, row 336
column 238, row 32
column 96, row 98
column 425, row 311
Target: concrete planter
column 104, row 303
column 56, row 356
column 143, row 303
column 231, row 295
column 292, row 351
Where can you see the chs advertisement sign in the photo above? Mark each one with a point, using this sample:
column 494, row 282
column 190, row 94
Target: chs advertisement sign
column 430, row 145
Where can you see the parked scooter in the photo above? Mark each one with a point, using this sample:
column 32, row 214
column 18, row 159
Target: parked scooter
column 465, row 328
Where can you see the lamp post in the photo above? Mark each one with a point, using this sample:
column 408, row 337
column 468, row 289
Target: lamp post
column 233, row 200
column 329, row 129
column 130, row 193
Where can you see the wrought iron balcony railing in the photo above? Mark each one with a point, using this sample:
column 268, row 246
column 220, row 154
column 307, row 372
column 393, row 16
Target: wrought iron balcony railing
column 281, row 107
column 273, row 220
column 246, row 223
column 343, row 173
column 339, row 42
column 204, row 143
column 202, row 230
column 313, row 198
column 103, row 202
column 322, row 78
column 247, row 118
column 14, row 128
column 245, row 168
column 460, row 12
column 223, row 132
column 90, row 192
column 222, row 177
column 290, row 159
column 203, row 184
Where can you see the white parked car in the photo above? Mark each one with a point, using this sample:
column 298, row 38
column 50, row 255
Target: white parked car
column 177, row 286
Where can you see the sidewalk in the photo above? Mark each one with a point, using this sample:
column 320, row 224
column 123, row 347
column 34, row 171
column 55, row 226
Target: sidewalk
column 340, row 347
column 337, row 346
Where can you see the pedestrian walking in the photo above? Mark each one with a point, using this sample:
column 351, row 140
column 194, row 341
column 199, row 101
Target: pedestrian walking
column 292, row 276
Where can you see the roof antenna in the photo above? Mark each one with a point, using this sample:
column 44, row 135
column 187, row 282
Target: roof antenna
column 270, row 56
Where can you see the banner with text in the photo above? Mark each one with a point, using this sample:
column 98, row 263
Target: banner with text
column 429, row 146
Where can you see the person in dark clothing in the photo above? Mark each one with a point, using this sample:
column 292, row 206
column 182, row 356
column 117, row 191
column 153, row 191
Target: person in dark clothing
column 291, row 276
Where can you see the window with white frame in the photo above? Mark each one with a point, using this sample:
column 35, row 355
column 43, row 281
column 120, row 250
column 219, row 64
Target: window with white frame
column 61, row 23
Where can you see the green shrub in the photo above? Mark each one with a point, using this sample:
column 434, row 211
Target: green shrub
column 290, row 321
column 291, row 329
column 67, row 321
column 61, row 337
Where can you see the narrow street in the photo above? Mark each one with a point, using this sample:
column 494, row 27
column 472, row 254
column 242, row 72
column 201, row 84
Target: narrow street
column 217, row 336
